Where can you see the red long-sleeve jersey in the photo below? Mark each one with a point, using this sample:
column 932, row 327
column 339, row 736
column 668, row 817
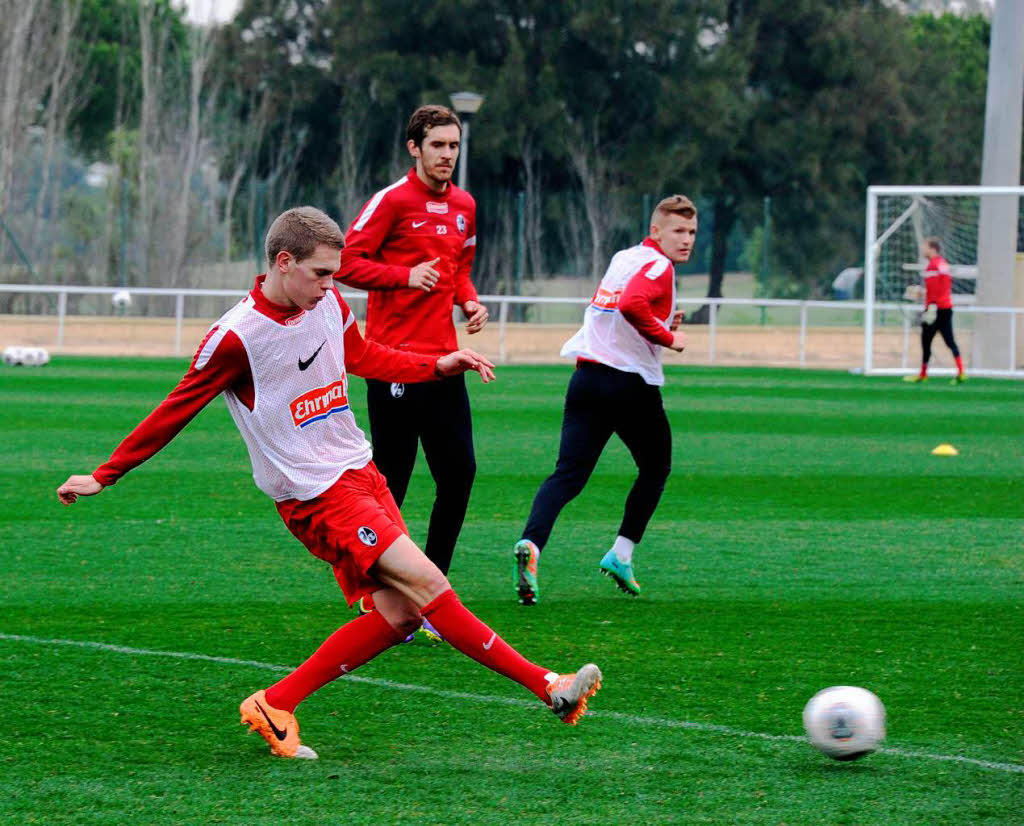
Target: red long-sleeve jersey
column 938, row 283
column 401, row 226
column 644, row 301
column 227, row 368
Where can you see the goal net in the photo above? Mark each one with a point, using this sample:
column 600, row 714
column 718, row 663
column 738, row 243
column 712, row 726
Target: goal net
column 899, row 219
column 905, row 221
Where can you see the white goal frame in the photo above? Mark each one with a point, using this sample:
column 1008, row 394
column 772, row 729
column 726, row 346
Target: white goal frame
column 873, row 243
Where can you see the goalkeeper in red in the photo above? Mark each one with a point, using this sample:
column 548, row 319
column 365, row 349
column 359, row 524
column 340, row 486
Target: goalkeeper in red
column 616, row 389
column 938, row 290
column 281, row 359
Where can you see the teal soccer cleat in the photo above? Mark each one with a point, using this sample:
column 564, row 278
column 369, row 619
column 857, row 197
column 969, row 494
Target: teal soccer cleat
column 621, row 572
column 527, row 556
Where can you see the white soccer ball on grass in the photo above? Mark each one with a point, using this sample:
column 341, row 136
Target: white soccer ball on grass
column 34, row 356
column 845, row 722
column 25, row 356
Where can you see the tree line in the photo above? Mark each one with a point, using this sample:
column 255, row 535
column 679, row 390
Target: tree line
column 593, row 108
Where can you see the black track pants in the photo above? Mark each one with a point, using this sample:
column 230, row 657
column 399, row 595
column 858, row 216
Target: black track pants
column 601, row 401
column 437, row 415
column 943, row 325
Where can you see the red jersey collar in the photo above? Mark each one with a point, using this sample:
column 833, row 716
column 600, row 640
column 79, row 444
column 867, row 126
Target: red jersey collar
column 275, row 312
column 650, row 242
column 426, row 190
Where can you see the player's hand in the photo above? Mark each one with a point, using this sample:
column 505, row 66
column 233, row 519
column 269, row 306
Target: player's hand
column 76, row 486
column 462, row 361
column 476, row 316
column 677, row 319
column 423, row 276
column 678, row 341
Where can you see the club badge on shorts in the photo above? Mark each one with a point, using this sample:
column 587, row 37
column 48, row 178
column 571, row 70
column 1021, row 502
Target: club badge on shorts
column 397, row 390
column 367, row 536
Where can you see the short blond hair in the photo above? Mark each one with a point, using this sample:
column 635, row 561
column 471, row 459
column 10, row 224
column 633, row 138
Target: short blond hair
column 674, row 205
column 300, row 230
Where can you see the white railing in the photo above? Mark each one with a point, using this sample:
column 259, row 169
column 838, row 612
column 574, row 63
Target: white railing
column 503, row 303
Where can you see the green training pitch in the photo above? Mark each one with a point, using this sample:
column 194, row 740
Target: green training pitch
column 806, row 538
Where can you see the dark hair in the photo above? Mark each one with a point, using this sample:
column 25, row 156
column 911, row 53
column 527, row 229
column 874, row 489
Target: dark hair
column 299, row 230
column 675, row 205
column 932, row 241
column 427, row 117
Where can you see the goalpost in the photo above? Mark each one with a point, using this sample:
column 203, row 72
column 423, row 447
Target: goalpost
column 898, row 220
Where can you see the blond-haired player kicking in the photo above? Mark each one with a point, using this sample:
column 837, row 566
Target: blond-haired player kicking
column 281, row 358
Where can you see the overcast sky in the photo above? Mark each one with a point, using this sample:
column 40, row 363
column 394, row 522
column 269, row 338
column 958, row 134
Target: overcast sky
column 203, row 11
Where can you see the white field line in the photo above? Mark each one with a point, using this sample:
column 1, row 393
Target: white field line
column 656, row 722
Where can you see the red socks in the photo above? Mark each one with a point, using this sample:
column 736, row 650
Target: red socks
column 463, row 631
column 959, row 366
column 924, row 371
column 352, row 645
column 362, row 639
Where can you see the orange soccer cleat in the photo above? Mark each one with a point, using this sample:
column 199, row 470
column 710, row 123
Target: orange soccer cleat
column 569, row 693
column 279, row 728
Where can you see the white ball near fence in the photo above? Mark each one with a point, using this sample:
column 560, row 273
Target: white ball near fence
column 34, row 356
column 121, row 299
column 25, row 356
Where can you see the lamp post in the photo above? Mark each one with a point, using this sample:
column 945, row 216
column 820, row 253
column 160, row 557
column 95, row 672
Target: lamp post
column 466, row 104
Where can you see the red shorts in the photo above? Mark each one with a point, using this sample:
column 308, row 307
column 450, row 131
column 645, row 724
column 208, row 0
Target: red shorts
column 349, row 525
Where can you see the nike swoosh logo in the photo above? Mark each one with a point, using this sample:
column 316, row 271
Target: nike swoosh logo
column 280, row 735
column 418, row 224
column 304, row 364
column 487, row 645
column 344, row 669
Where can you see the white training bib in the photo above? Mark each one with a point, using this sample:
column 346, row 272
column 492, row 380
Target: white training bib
column 301, row 434
column 606, row 336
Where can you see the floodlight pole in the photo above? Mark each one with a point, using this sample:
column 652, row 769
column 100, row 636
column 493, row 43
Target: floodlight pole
column 1000, row 166
column 466, row 104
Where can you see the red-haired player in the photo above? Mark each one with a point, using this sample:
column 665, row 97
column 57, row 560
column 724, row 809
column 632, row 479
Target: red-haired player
column 938, row 290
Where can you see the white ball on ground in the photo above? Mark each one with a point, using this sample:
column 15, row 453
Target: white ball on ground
column 34, row 356
column 25, row 356
column 845, row 722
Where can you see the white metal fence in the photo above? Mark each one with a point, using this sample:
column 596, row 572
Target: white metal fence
column 712, row 340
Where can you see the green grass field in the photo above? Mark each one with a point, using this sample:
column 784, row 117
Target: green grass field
column 806, row 538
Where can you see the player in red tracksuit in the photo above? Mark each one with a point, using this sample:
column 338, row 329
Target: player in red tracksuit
column 281, row 358
column 411, row 247
column 938, row 290
column 616, row 389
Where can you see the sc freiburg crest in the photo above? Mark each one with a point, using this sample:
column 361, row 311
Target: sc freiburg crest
column 367, row 536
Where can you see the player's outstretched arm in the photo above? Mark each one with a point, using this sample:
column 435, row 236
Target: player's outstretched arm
column 462, row 361
column 76, row 486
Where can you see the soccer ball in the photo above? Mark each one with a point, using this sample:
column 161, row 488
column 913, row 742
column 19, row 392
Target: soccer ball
column 34, row 356
column 121, row 299
column 845, row 722
column 25, row 356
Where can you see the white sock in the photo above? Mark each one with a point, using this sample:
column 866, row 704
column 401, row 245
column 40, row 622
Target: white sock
column 624, row 549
